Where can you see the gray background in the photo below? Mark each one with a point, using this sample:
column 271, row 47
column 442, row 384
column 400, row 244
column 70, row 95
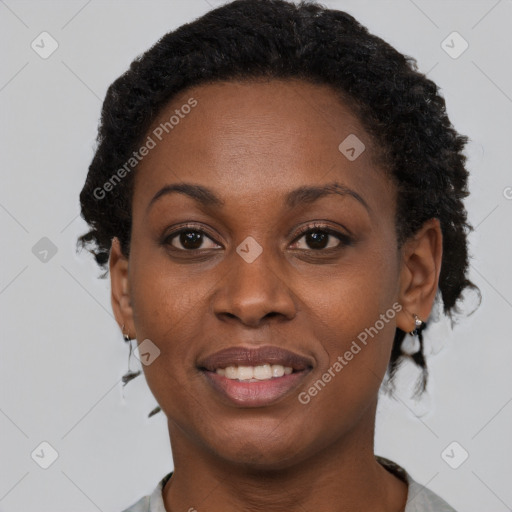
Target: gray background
column 62, row 355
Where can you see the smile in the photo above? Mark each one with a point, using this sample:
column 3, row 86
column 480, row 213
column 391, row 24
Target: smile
column 254, row 377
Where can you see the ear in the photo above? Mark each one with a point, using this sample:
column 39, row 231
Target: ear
column 120, row 290
column 419, row 275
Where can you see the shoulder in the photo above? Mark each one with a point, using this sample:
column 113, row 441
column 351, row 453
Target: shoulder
column 153, row 502
column 419, row 498
column 141, row 506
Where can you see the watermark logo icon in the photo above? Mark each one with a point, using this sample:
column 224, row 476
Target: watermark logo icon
column 44, row 250
column 44, row 455
column 147, row 352
column 454, row 455
column 352, row 147
column 249, row 249
column 454, row 45
column 44, row 45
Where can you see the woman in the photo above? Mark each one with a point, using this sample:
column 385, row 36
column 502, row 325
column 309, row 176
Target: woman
column 277, row 195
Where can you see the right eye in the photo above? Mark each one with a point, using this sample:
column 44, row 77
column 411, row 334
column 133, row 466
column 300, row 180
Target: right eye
column 188, row 239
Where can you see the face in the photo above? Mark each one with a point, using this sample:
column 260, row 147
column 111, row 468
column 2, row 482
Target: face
column 269, row 252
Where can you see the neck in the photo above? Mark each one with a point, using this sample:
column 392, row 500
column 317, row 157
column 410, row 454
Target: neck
column 342, row 477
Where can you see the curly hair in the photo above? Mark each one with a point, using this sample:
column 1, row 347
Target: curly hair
column 400, row 108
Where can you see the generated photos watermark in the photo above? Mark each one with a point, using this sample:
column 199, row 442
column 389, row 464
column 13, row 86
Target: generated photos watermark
column 355, row 348
column 151, row 142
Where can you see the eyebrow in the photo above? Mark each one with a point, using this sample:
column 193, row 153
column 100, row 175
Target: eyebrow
column 301, row 195
column 308, row 194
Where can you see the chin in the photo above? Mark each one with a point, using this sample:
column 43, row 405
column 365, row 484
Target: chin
column 260, row 448
column 260, row 458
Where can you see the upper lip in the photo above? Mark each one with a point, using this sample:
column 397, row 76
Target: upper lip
column 242, row 356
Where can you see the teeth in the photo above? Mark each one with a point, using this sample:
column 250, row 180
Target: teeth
column 277, row 370
column 245, row 372
column 254, row 373
column 231, row 372
column 262, row 372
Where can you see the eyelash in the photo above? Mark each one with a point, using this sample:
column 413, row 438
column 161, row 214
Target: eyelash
column 344, row 239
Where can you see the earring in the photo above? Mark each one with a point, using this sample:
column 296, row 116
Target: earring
column 419, row 325
column 129, row 375
column 418, row 356
column 126, row 336
column 411, row 346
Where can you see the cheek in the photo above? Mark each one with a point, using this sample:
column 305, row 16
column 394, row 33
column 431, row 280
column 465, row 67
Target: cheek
column 352, row 297
column 167, row 309
column 355, row 313
column 357, row 342
column 166, row 299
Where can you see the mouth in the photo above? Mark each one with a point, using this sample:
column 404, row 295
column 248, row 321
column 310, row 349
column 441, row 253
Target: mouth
column 254, row 377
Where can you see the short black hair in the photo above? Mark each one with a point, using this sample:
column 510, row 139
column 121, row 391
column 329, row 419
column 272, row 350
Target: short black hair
column 400, row 108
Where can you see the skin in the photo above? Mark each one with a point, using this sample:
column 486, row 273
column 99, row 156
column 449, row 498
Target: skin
column 252, row 143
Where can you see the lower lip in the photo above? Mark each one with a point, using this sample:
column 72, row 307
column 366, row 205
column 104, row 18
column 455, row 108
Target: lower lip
column 254, row 394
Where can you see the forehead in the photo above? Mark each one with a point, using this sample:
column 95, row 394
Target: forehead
column 256, row 139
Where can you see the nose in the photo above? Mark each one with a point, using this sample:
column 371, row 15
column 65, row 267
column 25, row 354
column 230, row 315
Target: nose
column 252, row 293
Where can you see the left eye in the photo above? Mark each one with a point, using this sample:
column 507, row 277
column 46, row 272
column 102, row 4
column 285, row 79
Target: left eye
column 321, row 238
